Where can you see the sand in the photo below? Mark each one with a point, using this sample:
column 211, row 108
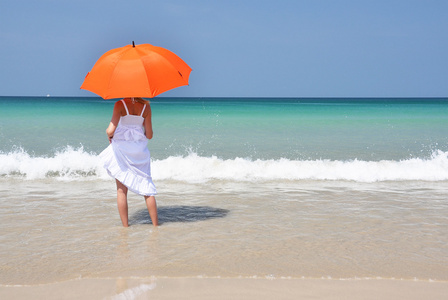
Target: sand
column 229, row 288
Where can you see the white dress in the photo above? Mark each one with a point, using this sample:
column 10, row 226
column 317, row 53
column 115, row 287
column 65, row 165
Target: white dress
column 127, row 158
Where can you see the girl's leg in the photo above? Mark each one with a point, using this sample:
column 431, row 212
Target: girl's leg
column 122, row 202
column 152, row 209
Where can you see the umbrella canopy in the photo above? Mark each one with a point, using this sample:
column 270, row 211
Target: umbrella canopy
column 136, row 71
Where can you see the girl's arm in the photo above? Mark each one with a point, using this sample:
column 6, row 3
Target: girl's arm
column 148, row 123
column 114, row 121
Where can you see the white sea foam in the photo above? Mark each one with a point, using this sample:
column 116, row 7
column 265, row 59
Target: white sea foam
column 135, row 292
column 197, row 169
column 73, row 164
column 69, row 164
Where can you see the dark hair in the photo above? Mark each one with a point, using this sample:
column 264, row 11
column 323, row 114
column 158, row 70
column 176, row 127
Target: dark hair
column 140, row 99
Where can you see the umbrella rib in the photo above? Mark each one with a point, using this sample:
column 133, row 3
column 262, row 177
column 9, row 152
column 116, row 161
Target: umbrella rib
column 118, row 58
column 147, row 81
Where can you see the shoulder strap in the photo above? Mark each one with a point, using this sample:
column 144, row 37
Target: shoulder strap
column 124, row 103
column 144, row 106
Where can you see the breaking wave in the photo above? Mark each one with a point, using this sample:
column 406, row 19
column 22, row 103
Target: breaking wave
column 77, row 164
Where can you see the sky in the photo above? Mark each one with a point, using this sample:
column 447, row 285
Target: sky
column 244, row 48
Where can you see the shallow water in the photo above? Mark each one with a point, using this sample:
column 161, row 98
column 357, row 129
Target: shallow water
column 54, row 231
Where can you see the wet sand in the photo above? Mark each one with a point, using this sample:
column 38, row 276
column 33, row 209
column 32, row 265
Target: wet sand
column 63, row 240
column 229, row 288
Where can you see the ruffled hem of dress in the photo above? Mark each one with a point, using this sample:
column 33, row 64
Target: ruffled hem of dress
column 135, row 183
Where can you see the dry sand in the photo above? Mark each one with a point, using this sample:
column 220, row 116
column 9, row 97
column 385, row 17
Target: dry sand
column 229, row 288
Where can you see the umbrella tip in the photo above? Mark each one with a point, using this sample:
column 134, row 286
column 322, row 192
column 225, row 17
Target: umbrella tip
column 133, row 45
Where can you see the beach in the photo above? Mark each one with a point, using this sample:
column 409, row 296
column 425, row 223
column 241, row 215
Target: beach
column 226, row 246
column 303, row 199
column 225, row 288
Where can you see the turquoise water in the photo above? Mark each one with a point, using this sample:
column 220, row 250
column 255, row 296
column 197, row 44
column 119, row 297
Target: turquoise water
column 297, row 129
column 296, row 188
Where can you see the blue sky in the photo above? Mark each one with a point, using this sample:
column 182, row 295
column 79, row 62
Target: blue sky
column 245, row 48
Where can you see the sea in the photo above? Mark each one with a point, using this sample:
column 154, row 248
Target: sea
column 334, row 188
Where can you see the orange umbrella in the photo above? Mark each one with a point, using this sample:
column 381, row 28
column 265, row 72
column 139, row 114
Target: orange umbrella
column 136, row 71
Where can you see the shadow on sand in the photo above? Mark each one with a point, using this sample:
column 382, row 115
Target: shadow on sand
column 179, row 213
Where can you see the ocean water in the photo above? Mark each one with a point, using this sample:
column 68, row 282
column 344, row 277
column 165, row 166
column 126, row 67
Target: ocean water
column 248, row 187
